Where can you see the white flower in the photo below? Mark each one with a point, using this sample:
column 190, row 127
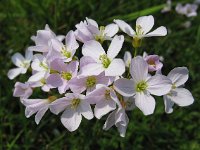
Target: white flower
column 142, row 85
column 143, row 26
column 168, row 6
column 89, row 30
column 189, row 10
column 178, row 95
column 21, row 63
column 42, row 40
column 38, row 106
column 64, row 52
column 104, row 62
column 119, row 117
column 74, row 106
column 40, row 68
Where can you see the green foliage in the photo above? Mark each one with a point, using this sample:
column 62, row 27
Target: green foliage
column 20, row 19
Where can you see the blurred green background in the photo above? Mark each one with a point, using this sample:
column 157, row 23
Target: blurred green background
column 20, row 19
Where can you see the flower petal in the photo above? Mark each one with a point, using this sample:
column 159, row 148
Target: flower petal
column 17, row 59
column 139, row 69
column 146, row 23
column 37, row 76
column 71, row 119
column 40, row 114
column 70, row 41
column 182, row 97
column 12, row 73
column 168, row 104
column 92, row 69
column 159, row 85
column 116, row 68
column 103, row 107
column 125, row 87
column 125, row 27
column 110, row 121
column 146, row 103
column 111, row 30
column 29, row 55
column 86, row 110
column 178, row 75
column 93, row 49
column 54, row 80
column 115, row 46
column 161, row 31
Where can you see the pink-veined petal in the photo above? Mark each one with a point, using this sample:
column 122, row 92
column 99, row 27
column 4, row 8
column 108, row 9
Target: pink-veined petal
column 92, row 69
column 125, row 87
column 182, row 97
column 70, row 41
column 139, row 69
column 40, row 114
column 159, row 85
column 85, row 110
column 178, row 75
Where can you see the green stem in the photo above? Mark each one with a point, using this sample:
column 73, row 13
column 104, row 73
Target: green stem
column 135, row 52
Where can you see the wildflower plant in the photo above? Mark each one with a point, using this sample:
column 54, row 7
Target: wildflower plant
column 99, row 83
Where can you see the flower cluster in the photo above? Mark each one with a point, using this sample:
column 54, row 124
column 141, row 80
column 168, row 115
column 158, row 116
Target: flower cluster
column 99, row 83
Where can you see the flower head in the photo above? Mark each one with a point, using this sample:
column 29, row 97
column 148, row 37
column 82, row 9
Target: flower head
column 102, row 61
column 142, row 85
column 74, row 106
column 22, row 64
column 178, row 94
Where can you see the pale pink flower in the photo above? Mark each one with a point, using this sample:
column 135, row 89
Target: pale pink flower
column 154, row 63
column 42, row 40
column 178, row 95
column 22, row 90
column 22, row 64
column 189, row 10
column 89, row 30
column 104, row 62
column 74, row 106
column 142, row 85
column 38, row 106
column 143, row 26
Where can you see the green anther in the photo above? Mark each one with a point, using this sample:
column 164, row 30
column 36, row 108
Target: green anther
column 43, row 81
column 139, row 30
column 141, row 86
column 25, row 64
column 75, row 102
column 173, row 86
column 105, row 60
column 66, row 75
column 53, row 71
column 90, row 82
column 52, row 98
column 43, row 66
column 107, row 94
column 100, row 37
column 65, row 53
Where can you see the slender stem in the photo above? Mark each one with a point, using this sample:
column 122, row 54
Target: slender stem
column 135, row 52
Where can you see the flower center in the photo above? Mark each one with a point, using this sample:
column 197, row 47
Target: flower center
column 139, row 30
column 65, row 52
column 43, row 81
column 43, row 65
column 105, row 60
column 141, row 86
column 151, row 62
column 90, row 82
column 25, row 64
column 66, row 75
column 75, row 102
column 173, row 86
column 100, row 37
